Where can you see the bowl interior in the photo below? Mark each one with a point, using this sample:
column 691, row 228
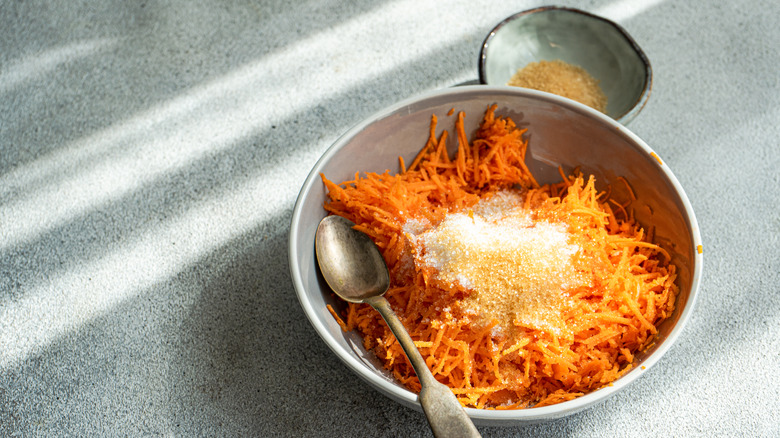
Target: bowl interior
column 598, row 45
column 591, row 140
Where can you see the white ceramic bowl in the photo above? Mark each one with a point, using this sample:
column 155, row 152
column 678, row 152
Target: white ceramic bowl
column 561, row 132
column 603, row 48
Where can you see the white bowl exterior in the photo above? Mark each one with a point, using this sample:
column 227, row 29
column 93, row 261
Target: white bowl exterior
column 561, row 132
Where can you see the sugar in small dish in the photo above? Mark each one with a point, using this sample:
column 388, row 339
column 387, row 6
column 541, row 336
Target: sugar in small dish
column 563, row 79
column 570, row 53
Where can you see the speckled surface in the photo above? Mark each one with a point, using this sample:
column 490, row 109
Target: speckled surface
column 151, row 153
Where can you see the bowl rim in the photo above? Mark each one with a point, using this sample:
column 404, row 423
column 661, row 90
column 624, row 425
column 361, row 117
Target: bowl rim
column 647, row 87
column 490, row 416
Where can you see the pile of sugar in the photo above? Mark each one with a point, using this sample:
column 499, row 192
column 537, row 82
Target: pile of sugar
column 563, row 79
column 518, row 268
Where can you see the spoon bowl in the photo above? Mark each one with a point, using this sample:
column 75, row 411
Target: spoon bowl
column 355, row 270
column 349, row 261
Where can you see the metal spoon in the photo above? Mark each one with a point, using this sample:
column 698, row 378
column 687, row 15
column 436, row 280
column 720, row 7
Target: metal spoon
column 355, row 270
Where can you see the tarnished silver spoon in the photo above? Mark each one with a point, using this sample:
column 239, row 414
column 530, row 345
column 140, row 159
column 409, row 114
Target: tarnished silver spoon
column 355, row 270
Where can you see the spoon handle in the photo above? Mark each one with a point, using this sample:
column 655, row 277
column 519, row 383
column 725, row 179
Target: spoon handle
column 443, row 410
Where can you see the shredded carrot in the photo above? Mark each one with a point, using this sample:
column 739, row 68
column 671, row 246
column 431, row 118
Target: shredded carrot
column 628, row 187
column 338, row 318
column 612, row 316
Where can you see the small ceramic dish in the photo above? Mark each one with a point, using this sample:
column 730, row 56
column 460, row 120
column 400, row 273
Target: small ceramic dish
column 603, row 48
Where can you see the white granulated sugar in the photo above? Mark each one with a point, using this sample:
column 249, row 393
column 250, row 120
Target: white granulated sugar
column 412, row 227
column 518, row 268
column 501, row 204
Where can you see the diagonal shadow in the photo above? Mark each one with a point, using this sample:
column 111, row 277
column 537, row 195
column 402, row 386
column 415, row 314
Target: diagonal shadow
column 184, row 55
column 90, row 235
column 233, row 317
column 221, row 349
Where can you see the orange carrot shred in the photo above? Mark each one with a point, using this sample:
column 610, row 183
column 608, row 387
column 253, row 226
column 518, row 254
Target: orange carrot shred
column 338, row 318
column 610, row 318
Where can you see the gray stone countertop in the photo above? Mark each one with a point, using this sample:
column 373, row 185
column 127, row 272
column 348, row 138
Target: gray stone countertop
column 151, row 154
